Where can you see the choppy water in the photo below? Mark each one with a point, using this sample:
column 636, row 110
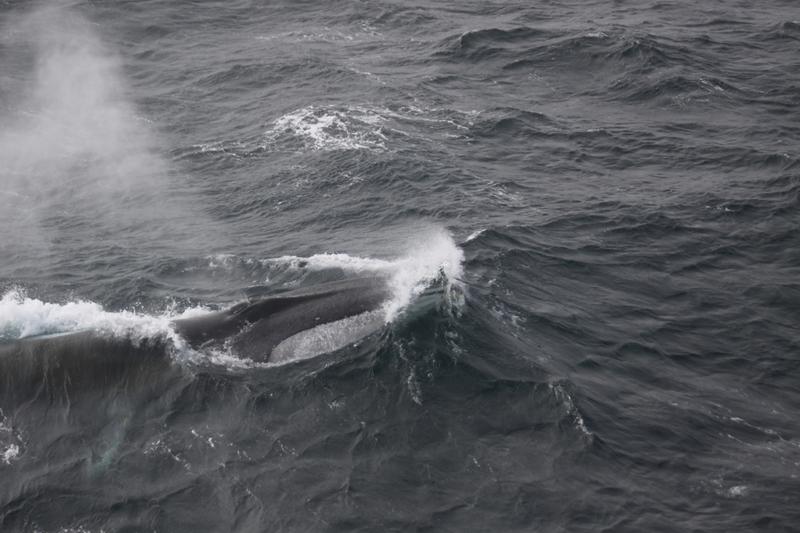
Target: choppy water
column 589, row 210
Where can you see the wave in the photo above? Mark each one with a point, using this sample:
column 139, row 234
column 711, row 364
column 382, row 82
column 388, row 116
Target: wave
column 488, row 43
column 527, row 47
column 22, row 317
column 612, row 63
column 505, row 123
column 412, row 19
column 677, row 89
column 783, row 31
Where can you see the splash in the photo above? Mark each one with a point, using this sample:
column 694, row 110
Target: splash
column 433, row 256
column 22, row 317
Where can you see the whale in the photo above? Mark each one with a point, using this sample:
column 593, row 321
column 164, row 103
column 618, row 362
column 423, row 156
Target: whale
column 251, row 329
column 255, row 328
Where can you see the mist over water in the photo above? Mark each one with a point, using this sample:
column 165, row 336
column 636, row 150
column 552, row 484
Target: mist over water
column 80, row 165
column 76, row 115
column 585, row 216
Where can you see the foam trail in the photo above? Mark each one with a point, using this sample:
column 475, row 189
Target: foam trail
column 22, row 317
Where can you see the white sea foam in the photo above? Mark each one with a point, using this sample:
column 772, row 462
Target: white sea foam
column 10, row 441
column 737, row 491
column 10, row 454
column 22, row 317
column 433, row 257
column 328, row 128
column 572, row 410
column 364, row 127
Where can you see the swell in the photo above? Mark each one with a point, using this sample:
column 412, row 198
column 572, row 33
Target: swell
column 56, row 369
column 526, row 47
column 355, row 417
column 625, row 66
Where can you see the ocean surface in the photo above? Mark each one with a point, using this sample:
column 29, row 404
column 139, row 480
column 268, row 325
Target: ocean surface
column 589, row 212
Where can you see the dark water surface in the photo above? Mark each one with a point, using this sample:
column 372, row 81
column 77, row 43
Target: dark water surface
column 589, row 211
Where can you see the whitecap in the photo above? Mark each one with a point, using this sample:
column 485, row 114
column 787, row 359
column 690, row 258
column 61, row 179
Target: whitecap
column 328, row 128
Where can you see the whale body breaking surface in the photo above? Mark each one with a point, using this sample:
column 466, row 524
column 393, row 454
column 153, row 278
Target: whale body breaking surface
column 315, row 305
column 254, row 329
column 340, row 311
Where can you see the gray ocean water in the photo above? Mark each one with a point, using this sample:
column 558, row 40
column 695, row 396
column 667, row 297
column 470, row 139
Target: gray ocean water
column 589, row 211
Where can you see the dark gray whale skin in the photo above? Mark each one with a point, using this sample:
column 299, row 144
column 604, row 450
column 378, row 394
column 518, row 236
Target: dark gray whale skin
column 252, row 328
